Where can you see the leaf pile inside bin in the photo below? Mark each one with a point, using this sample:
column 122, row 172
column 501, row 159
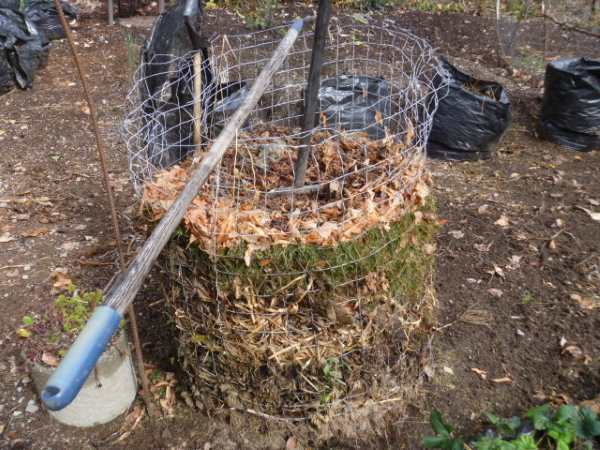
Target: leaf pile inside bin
column 300, row 305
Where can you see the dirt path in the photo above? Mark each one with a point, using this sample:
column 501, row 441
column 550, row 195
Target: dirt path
column 514, row 257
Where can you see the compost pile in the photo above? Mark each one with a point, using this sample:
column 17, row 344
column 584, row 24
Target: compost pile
column 295, row 303
column 299, row 304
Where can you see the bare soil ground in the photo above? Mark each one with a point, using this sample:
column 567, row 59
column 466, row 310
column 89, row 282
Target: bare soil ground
column 515, row 257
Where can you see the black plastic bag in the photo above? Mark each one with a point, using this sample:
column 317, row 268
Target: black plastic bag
column 26, row 59
column 170, row 129
column 353, row 102
column 14, row 28
column 10, row 4
column 470, row 119
column 26, row 49
column 224, row 102
column 571, row 108
column 169, row 38
column 170, row 134
column 167, row 92
column 43, row 14
column 6, row 74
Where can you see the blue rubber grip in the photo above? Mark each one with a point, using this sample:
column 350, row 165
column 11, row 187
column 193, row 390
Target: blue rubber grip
column 68, row 378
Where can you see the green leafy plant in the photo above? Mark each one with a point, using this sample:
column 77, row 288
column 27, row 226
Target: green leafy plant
column 76, row 306
column 565, row 428
column 444, row 437
column 261, row 16
column 28, row 321
column 332, row 371
column 504, row 426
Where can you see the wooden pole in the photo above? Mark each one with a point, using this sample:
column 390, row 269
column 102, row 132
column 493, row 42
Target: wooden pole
column 197, row 99
column 125, row 289
column 111, row 14
column 312, row 89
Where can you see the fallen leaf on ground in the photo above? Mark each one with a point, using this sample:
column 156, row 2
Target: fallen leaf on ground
column 6, row 237
column 448, row 370
column 502, row 221
column 61, row 279
column 483, row 248
column 576, row 353
column 49, row 359
column 498, row 271
column 429, row 249
column 495, row 292
column 36, row 232
column 515, row 262
column 562, row 341
column 482, row 373
column 594, row 404
column 456, row 234
column 292, row 444
column 503, row 380
column 429, row 372
column 131, row 422
column 24, row 333
column 43, row 201
column 595, row 216
column 483, row 209
column 585, row 302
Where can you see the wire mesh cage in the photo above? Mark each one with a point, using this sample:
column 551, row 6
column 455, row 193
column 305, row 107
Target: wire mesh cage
column 264, row 278
column 367, row 70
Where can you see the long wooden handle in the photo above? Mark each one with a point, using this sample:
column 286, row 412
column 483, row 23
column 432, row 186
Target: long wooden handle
column 124, row 291
column 66, row 381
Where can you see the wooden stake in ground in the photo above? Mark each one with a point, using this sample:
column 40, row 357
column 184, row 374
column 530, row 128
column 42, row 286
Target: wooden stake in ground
column 67, row 379
column 312, row 89
column 111, row 202
column 197, row 99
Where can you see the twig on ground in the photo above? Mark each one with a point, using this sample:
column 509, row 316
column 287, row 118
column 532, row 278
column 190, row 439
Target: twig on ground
column 569, row 27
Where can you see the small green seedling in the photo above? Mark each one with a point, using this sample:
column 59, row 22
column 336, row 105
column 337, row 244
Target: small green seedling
column 444, row 438
column 566, row 428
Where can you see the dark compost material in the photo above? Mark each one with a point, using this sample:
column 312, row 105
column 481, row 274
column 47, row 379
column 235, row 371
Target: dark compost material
column 470, row 120
column 353, row 102
column 571, row 109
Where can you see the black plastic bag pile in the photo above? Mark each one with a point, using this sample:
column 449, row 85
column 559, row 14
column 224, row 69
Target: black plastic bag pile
column 470, row 120
column 356, row 102
column 571, row 108
column 24, row 39
column 43, row 14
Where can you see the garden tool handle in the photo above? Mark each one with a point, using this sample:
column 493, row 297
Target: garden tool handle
column 66, row 381
column 69, row 377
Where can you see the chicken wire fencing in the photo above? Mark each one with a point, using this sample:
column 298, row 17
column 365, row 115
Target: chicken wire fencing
column 292, row 277
column 384, row 82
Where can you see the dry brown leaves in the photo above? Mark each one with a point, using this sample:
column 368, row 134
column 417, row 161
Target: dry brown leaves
column 363, row 184
column 61, row 280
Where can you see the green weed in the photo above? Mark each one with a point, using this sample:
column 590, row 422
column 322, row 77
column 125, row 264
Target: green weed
column 565, row 428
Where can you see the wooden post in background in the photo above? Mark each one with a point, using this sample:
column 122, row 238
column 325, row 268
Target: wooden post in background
column 312, row 89
column 197, row 99
column 111, row 14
